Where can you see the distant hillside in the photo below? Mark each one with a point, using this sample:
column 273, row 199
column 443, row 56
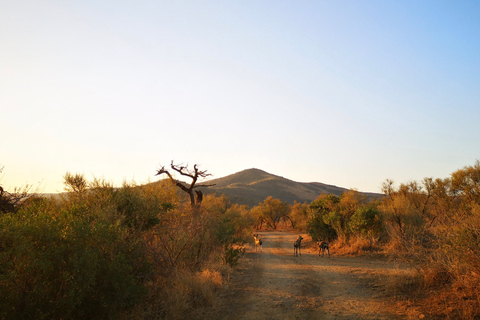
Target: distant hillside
column 252, row 186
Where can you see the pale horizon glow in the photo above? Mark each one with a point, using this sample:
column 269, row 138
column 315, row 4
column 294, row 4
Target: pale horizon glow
column 338, row 92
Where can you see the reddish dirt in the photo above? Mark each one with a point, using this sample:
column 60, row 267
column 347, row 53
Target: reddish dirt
column 274, row 284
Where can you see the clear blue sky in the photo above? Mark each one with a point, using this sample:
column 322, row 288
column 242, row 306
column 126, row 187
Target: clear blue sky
column 348, row 93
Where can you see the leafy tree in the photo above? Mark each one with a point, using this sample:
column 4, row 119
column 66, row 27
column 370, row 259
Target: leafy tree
column 76, row 186
column 271, row 211
column 349, row 203
column 317, row 226
column 243, row 219
column 366, row 221
column 404, row 211
column 299, row 215
column 466, row 182
column 441, row 200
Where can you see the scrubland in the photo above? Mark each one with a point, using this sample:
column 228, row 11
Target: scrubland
column 143, row 252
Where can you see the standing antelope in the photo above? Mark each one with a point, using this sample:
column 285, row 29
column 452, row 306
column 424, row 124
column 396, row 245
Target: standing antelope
column 258, row 242
column 322, row 245
column 296, row 246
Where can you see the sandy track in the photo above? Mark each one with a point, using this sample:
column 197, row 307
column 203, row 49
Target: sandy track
column 274, row 284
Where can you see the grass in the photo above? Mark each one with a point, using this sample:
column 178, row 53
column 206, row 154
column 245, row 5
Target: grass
column 188, row 295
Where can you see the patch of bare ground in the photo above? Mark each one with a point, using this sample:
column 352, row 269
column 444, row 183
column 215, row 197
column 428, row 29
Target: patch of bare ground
column 274, row 284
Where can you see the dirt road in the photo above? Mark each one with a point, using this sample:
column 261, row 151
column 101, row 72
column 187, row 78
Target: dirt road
column 274, row 284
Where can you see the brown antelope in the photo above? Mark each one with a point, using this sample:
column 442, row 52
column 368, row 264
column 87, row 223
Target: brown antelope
column 258, row 242
column 322, row 246
column 296, row 246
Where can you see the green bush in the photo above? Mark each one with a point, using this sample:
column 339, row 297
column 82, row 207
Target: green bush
column 318, row 229
column 65, row 265
column 233, row 248
column 335, row 221
column 366, row 221
column 317, row 226
column 96, row 251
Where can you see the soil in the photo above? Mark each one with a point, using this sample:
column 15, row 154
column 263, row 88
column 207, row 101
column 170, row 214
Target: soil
column 273, row 284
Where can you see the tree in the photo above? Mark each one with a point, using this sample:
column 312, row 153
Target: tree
column 272, row 211
column 405, row 212
column 76, row 186
column 321, row 211
column 299, row 215
column 366, row 220
column 466, row 182
column 75, row 183
column 195, row 197
column 10, row 201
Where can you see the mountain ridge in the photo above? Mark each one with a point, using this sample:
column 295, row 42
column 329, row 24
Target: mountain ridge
column 252, row 186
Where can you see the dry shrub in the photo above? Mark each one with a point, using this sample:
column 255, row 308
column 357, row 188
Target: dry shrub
column 452, row 271
column 188, row 295
column 464, row 297
column 434, row 275
column 394, row 246
column 449, row 297
column 436, row 291
column 202, row 287
column 458, row 301
column 361, row 245
column 406, row 283
column 354, row 246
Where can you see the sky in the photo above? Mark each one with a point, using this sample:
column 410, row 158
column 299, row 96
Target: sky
column 347, row 93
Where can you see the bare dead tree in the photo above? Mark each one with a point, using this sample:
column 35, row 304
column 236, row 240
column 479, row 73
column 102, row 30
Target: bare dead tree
column 195, row 197
column 9, row 202
column 6, row 204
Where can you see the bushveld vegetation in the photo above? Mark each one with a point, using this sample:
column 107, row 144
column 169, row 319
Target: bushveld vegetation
column 434, row 224
column 134, row 252
column 150, row 252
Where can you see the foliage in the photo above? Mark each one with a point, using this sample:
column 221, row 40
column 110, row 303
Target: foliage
column 317, row 227
column 466, row 182
column 366, row 221
column 345, row 219
column 271, row 211
column 75, row 183
column 435, row 223
column 243, row 219
column 98, row 250
column 299, row 215
column 66, row 266
column 233, row 248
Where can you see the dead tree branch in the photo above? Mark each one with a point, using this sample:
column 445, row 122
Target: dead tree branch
column 194, row 174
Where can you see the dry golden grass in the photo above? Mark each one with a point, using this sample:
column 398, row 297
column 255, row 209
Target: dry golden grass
column 450, row 297
column 434, row 291
column 432, row 287
column 355, row 246
column 185, row 296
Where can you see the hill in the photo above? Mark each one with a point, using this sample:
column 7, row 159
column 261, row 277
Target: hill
column 252, row 186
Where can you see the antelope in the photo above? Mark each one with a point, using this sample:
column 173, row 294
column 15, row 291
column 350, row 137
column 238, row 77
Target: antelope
column 296, row 246
column 322, row 245
column 258, row 242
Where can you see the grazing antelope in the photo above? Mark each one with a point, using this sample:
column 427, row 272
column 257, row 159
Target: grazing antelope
column 258, row 242
column 322, row 246
column 296, row 246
